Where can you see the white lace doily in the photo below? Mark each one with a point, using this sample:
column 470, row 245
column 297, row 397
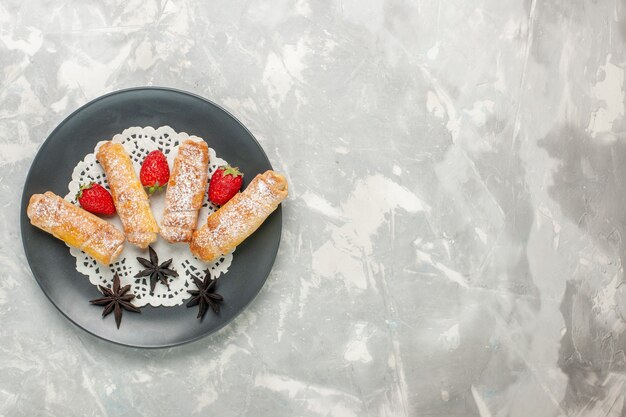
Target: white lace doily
column 138, row 142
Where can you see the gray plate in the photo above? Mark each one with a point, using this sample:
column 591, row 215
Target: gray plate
column 101, row 119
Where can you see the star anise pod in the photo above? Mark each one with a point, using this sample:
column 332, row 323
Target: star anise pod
column 115, row 300
column 155, row 271
column 205, row 296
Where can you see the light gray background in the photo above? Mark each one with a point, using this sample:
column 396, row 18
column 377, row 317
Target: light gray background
column 454, row 238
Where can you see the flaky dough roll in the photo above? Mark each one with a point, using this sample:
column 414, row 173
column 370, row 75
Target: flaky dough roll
column 129, row 197
column 185, row 191
column 240, row 217
column 75, row 226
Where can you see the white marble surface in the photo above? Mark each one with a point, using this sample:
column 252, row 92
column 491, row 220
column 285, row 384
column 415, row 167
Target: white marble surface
column 452, row 243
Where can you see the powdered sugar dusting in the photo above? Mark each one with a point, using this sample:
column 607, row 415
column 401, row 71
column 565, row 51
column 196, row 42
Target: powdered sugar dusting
column 131, row 200
column 240, row 217
column 75, row 226
column 185, row 191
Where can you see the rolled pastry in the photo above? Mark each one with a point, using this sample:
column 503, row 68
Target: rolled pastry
column 129, row 197
column 75, row 226
column 240, row 217
column 185, row 191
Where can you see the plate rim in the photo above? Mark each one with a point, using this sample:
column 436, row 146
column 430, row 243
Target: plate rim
column 24, row 224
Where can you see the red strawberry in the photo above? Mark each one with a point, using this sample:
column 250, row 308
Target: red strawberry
column 95, row 199
column 155, row 172
column 225, row 183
